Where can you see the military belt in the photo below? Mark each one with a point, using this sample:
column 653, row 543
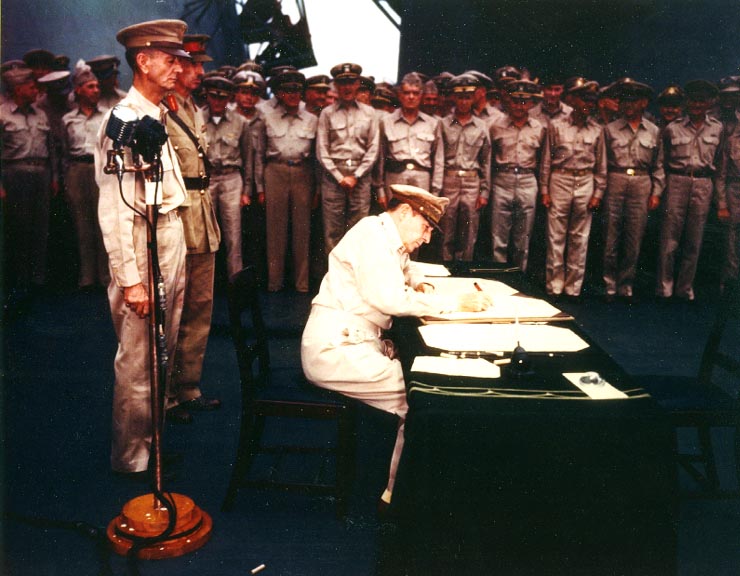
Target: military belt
column 693, row 172
column 197, row 183
column 84, row 159
column 398, row 166
column 461, row 173
column 575, row 171
column 630, row 171
column 515, row 169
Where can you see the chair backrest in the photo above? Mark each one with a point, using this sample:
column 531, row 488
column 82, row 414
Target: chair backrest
column 250, row 343
column 722, row 350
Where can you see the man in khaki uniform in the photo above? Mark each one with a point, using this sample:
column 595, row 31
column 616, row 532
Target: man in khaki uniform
column 315, row 95
column 153, row 50
column 105, row 68
column 186, row 127
column 691, row 151
column 551, row 107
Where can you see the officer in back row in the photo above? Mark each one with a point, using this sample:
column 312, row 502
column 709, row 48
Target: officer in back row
column 347, row 143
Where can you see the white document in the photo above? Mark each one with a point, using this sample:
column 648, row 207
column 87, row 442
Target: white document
column 600, row 391
column 456, row 286
column 470, row 367
column 504, row 308
column 498, row 338
column 428, row 269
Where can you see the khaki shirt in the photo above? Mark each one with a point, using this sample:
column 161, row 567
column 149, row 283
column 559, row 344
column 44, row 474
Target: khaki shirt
column 23, row 133
column 628, row 148
column 82, row 131
column 115, row 217
column 728, row 168
column 256, row 125
column 202, row 234
column 111, row 99
column 516, row 147
column 572, row 147
column 230, row 146
column 464, row 148
column 347, row 133
column 403, row 141
column 540, row 113
column 489, row 114
column 686, row 148
column 289, row 137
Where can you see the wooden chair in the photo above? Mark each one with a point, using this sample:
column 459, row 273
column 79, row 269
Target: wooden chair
column 264, row 397
column 708, row 400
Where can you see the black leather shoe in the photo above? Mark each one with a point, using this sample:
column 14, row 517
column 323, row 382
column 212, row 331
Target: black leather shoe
column 179, row 415
column 202, row 404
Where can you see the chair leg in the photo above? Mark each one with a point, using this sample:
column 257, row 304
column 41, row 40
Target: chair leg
column 249, row 435
column 705, row 438
column 346, row 444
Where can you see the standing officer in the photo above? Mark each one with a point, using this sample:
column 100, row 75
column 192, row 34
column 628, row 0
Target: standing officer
column 105, row 68
column 26, row 180
column 347, row 147
column 186, row 127
column 408, row 142
column 572, row 182
column 691, row 147
column 462, row 168
column 229, row 156
column 516, row 142
column 153, row 50
column 728, row 199
column 315, row 95
column 290, row 136
column 635, row 182
column 671, row 103
column 81, row 129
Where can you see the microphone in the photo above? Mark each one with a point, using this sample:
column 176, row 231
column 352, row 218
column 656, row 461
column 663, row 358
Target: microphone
column 121, row 126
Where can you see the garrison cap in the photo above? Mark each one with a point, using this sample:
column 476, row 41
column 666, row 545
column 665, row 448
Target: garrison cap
column 523, row 89
column 318, row 82
column 464, row 83
column 288, row 79
column 104, row 66
column 195, row 45
column 484, row 80
column 346, row 71
column 82, row 75
column 252, row 66
column 56, row 82
column 163, row 35
column 700, row 90
column 367, row 83
column 249, row 79
column 17, row 76
column 729, row 85
column 631, row 88
column 39, row 58
column 428, row 205
column 673, row 95
column 218, row 86
column 61, row 62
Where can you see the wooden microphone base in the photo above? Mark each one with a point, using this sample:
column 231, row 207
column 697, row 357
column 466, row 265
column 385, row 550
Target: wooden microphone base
column 141, row 518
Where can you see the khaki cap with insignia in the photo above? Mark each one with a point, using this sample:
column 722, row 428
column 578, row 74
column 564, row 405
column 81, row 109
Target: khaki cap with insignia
column 346, row 71
column 195, row 45
column 367, row 83
column 17, row 76
column 249, row 79
column 464, row 83
column 163, row 35
column 318, row 82
column 11, row 65
column 586, row 89
column 700, row 90
column 104, row 66
column 672, row 96
column 218, row 86
column 631, row 88
column 524, row 89
column 428, row 205
column 288, row 79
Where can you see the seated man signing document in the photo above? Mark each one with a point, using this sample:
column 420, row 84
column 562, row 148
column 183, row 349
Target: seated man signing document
column 370, row 280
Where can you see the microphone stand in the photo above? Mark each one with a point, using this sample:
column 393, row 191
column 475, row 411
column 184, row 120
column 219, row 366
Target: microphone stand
column 155, row 526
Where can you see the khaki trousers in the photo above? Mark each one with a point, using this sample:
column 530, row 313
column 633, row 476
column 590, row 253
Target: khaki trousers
column 460, row 221
column 226, row 194
column 341, row 209
column 514, row 201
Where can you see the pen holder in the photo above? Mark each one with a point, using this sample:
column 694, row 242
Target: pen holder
column 520, row 366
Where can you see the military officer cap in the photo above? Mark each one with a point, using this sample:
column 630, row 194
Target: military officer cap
column 523, row 89
column 163, row 35
column 384, row 96
column 506, row 74
column 464, row 83
column 367, row 83
column 227, row 71
column 318, row 82
column 346, row 71
column 104, row 66
column 57, row 81
column 195, row 45
column 249, row 79
column 39, row 58
column 585, row 89
column 573, row 81
column 218, row 86
column 442, row 80
column 280, row 69
column 673, row 95
column 61, row 62
column 17, row 76
column 252, row 66
column 729, row 85
column 288, row 79
column 12, row 65
column 551, row 79
column 428, row 205
column 700, row 90
column 629, row 88
column 484, row 80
